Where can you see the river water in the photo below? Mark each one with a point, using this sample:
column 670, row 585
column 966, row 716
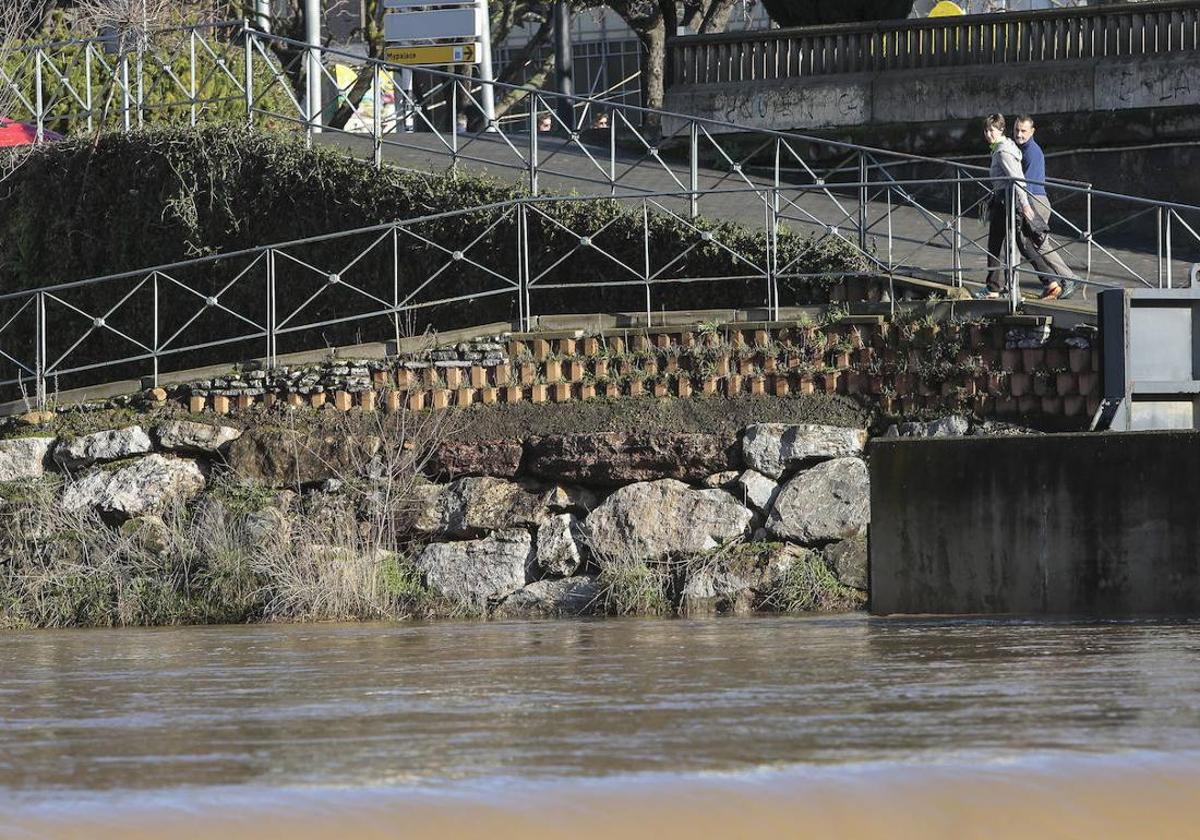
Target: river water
column 841, row 726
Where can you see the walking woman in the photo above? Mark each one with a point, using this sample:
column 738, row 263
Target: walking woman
column 1006, row 165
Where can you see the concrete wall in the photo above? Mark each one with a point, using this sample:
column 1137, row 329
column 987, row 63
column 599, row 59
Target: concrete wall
column 951, row 93
column 1066, row 524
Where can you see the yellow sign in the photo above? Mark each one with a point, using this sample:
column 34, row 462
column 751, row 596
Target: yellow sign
column 945, row 8
column 437, row 54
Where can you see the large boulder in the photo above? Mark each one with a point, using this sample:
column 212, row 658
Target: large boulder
column 552, row 598
column 109, row 445
column 831, row 501
column 472, row 573
column 775, row 448
column 145, row 486
column 186, row 436
column 739, row 580
column 558, row 540
column 289, row 458
column 470, row 507
column 22, row 458
column 654, row 520
column 848, row 560
column 454, row 458
column 610, row 459
column 952, row 425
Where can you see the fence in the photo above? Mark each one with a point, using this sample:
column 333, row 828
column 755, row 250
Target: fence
column 515, row 260
column 998, row 38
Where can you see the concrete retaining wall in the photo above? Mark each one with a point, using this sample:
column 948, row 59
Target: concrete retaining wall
column 1065, row 524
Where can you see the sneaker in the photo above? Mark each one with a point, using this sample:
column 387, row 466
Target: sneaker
column 1053, row 291
column 986, row 294
column 1068, row 289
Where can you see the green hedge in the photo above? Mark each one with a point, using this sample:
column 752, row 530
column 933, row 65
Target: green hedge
column 77, row 209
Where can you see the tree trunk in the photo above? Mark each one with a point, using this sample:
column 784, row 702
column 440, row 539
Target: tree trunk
column 654, row 65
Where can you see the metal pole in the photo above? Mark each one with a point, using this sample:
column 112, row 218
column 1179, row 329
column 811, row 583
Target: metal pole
column 454, row 127
column 958, row 213
column 1089, row 233
column 156, row 319
column 693, row 169
column 522, row 267
column 125, row 91
column 562, row 63
column 773, row 254
column 486, row 92
column 39, row 365
column 87, row 75
column 863, row 196
column 533, row 144
column 377, row 117
column 396, row 283
column 646, row 254
column 192, row 75
column 249, row 33
column 1010, row 262
column 270, row 278
column 1170, row 213
column 1158, row 221
column 39, row 107
column 312, row 36
column 141, row 88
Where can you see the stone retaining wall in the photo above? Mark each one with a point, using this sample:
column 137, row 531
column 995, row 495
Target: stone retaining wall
column 1002, row 368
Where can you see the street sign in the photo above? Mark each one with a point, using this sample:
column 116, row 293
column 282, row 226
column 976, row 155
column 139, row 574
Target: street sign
column 440, row 23
column 437, row 54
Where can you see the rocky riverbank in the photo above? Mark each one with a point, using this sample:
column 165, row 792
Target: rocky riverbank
column 169, row 520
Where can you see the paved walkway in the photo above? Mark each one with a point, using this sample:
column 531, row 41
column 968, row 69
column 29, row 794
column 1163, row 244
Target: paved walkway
column 919, row 241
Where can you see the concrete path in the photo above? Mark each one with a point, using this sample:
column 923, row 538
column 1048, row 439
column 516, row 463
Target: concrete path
column 919, row 238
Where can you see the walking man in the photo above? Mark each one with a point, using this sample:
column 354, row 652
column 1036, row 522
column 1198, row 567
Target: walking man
column 1033, row 163
column 1007, row 178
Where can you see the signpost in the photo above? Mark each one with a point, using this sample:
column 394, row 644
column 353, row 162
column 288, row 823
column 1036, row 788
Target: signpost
column 433, row 33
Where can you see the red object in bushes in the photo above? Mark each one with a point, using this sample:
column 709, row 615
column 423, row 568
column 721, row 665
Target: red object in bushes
column 23, row 134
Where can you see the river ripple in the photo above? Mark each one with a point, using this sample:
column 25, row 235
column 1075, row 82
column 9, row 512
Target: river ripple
column 769, row 712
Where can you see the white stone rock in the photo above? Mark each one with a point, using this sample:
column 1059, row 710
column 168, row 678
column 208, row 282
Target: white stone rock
column 186, row 436
column 831, row 501
column 757, row 490
column 471, row 507
column 558, row 551
column 547, row 598
column 475, row 572
column 652, row 520
column 22, row 458
column 774, row 448
column 735, row 583
column 108, row 445
column 145, row 486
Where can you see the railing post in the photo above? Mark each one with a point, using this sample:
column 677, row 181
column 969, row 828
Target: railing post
column 1170, row 213
column 522, row 267
column 772, row 207
column 249, row 63
column 693, row 169
column 141, row 88
column 1010, row 251
column 377, row 118
column 957, row 239
column 863, row 196
column 39, row 106
column 453, row 126
column 271, row 303
column 87, row 78
column 124, row 68
column 646, row 254
column 1158, row 241
column 39, row 365
column 192, row 92
column 155, row 327
column 533, row 144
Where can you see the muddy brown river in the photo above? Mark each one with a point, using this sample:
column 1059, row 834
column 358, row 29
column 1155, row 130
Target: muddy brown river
column 840, row 726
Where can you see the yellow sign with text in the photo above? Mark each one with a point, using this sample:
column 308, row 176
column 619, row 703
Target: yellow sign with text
column 436, row 54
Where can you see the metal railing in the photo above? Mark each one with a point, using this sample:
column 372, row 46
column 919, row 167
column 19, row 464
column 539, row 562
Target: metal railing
column 517, row 260
column 997, row 38
column 902, row 214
